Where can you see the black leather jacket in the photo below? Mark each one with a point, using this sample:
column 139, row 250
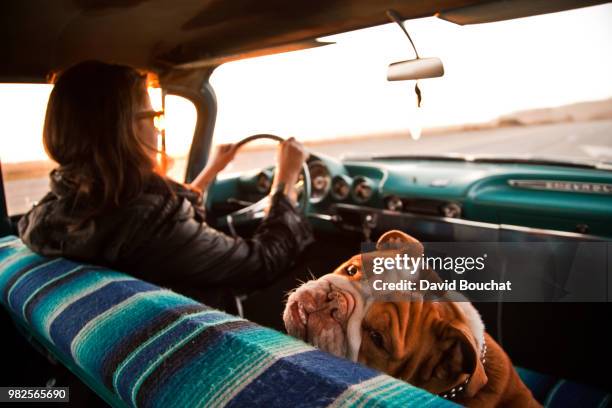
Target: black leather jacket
column 163, row 238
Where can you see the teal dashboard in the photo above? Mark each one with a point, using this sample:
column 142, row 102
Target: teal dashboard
column 443, row 197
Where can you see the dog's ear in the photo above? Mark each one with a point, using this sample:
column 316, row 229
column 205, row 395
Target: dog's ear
column 398, row 239
column 460, row 361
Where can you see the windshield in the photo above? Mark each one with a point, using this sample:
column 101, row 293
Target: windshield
column 531, row 87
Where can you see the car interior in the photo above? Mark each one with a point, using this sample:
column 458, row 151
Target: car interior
column 348, row 200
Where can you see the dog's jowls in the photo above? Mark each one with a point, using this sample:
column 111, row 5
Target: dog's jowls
column 438, row 346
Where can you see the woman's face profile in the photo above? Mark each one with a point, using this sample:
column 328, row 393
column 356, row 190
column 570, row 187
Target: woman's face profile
column 144, row 126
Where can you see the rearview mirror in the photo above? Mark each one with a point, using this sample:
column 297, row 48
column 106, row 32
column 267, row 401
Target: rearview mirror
column 419, row 68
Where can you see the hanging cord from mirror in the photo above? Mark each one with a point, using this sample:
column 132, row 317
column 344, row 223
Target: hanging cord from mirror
column 395, row 17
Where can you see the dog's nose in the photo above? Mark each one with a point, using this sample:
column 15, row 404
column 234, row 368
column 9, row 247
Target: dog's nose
column 332, row 303
column 337, row 305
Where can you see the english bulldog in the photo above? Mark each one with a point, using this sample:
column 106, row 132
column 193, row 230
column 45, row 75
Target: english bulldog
column 440, row 346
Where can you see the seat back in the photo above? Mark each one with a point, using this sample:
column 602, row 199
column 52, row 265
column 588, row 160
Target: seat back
column 137, row 344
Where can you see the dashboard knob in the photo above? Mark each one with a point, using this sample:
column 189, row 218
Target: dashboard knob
column 394, row 203
column 582, row 228
column 451, row 210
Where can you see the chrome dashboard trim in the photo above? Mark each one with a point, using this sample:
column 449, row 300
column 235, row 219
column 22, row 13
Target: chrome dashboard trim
column 558, row 233
column 323, row 217
column 469, row 224
column 563, row 186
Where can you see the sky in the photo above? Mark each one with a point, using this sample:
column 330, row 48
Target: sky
column 341, row 89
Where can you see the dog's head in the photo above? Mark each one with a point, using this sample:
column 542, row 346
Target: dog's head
column 433, row 345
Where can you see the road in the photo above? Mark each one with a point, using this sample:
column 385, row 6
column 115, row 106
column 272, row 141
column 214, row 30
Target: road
column 587, row 140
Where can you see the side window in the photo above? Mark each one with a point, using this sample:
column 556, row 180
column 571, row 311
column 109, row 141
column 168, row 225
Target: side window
column 25, row 165
column 180, row 121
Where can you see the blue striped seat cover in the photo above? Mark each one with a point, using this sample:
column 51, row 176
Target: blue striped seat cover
column 137, row 344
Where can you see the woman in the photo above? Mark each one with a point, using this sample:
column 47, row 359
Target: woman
column 108, row 206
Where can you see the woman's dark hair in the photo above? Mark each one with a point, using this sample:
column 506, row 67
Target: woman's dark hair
column 89, row 132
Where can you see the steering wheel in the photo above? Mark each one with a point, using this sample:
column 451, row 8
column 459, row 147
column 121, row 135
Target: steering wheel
column 256, row 211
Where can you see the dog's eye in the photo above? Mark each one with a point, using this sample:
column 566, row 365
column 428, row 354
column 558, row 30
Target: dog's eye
column 377, row 339
column 351, row 270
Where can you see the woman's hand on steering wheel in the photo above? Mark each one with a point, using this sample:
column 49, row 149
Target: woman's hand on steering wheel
column 222, row 156
column 291, row 161
column 290, row 157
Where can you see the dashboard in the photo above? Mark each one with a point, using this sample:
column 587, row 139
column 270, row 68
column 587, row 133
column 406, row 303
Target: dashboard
column 450, row 193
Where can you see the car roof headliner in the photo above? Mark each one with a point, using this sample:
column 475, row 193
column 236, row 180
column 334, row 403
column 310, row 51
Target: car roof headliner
column 43, row 36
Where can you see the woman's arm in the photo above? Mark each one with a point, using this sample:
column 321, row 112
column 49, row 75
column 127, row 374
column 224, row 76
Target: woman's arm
column 178, row 248
column 223, row 154
column 289, row 158
column 188, row 252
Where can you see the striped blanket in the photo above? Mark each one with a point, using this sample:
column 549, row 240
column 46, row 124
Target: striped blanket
column 137, row 344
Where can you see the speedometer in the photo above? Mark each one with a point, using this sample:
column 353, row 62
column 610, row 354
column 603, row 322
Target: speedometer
column 320, row 181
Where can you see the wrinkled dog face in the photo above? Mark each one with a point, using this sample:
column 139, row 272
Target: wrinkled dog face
column 327, row 312
column 430, row 344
